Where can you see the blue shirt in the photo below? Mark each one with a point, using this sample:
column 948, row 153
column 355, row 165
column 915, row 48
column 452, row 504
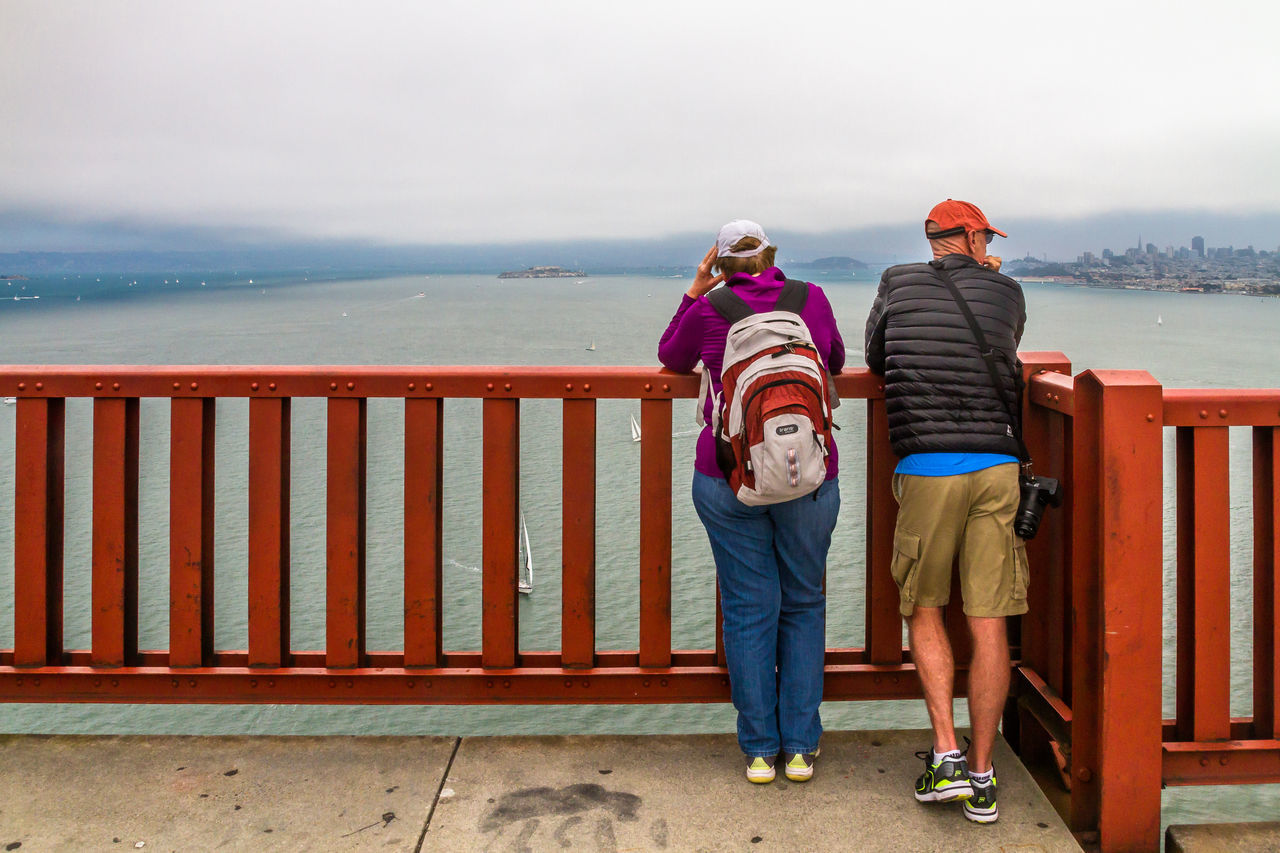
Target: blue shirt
column 950, row 464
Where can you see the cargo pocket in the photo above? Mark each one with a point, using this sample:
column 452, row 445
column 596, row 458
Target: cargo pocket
column 906, row 562
column 1021, row 572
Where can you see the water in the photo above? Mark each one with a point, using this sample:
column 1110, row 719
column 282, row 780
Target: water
column 481, row 320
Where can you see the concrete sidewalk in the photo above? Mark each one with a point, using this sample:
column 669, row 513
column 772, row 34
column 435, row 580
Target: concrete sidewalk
column 679, row 792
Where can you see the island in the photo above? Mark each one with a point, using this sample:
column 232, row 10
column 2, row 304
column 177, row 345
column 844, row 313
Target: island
column 543, row 272
column 840, row 263
column 13, row 278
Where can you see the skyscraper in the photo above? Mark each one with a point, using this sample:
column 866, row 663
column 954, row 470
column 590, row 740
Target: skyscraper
column 1197, row 246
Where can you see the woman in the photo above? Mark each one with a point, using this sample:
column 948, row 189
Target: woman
column 770, row 560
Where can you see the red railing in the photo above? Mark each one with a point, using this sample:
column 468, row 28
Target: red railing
column 1088, row 683
column 270, row 669
column 1091, row 662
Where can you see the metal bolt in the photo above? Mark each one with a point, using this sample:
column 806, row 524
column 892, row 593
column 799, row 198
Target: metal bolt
column 22, row 386
column 98, row 385
column 271, row 682
column 506, row 682
column 36, row 682
column 177, row 385
column 253, row 682
column 648, row 386
column 1055, row 398
column 427, row 386
column 411, row 682
column 586, row 683
column 195, row 385
column 1150, row 418
column 115, row 386
column 192, row 682
column 254, row 386
column 1222, row 413
column 333, row 386
column 411, row 386
column 1048, row 395
column 666, row 387
column 427, row 683
column 19, row 682
column 489, row 386
column 333, row 683
column 568, row 386
column 351, row 386
column 1204, row 762
column 663, row 682
column 1203, row 413
column 586, row 387
column 488, row 682
column 39, row 386
column 175, row 682
column 350, row 683
column 507, row 386
column 271, row 386
column 1223, row 760
column 1084, row 774
column 645, row 682
column 115, row 682
column 568, row 684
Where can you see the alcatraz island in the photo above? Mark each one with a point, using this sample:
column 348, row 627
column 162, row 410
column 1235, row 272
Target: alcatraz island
column 543, row 272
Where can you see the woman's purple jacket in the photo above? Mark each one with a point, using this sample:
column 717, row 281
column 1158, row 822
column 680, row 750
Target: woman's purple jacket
column 697, row 333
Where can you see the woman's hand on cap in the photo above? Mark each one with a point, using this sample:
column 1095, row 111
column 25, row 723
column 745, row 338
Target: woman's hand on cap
column 703, row 281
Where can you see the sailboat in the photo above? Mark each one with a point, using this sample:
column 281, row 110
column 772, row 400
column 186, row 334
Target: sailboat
column 635, row 429
column 591, row 347
column 1159, row 320
column 524, row 568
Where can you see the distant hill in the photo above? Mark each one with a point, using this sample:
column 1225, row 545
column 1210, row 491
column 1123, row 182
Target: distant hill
column 838, row 262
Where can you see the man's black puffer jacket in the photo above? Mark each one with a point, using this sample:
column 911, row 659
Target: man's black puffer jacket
column 938, row 391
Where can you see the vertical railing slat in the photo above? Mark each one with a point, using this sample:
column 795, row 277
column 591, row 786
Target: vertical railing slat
column 655, row 533
column 1266, row 583
column 269, row 428
column 38, row 531
column 500, row 612
column 345, row 537
column 115, row 531
column 578, row 572
column 423, row 530
column 883, row 621
column 1204, row 584
column 191, row 575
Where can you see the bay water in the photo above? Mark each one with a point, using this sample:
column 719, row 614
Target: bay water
column 1201, row 341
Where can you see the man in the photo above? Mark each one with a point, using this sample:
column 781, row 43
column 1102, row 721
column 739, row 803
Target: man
column 956, row 482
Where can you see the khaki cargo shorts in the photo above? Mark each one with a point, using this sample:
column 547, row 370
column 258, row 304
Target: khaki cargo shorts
column 970, row 515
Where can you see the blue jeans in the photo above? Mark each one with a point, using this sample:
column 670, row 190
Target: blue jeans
column 770, row 561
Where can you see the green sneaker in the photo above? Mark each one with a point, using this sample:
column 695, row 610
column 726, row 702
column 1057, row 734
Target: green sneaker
column 799, row 765
column 944, row 782
column 981, row 805
column 760, row 769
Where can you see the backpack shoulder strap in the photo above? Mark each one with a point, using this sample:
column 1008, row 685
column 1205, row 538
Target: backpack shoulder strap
column 729, row 305
column 794, row 295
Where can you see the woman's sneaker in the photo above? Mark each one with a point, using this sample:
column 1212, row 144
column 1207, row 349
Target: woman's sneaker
column 760, row 769
column 944, row 782
column 981, row 805
column 799, row 765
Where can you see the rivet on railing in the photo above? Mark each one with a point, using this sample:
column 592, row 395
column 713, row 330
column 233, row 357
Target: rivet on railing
column 1048, row 395
column 663, row 682
column 22, row 386
column 351, row 386
column 115, row 682
column 568, row 684
column 489, row 386
column 411, row 683
column 350, row 683
column 271, row 386
column 97, row 682
column 271, row 682
column 646, row 682
column 648, row 386
column 177, row 385
column 1055, row 398
column 488, row 682
column 412, row 385
column 35, row 682
column 586, row 683
column 98, row 385
column 507, row 386
column 1222, row 413
column 175, row 682
column 427, row 683
column 506, row 682
column 568, row 386
column 1084, row 774
column 39, row 386
column 1203, row 413
column 428, row 386
column 666, row 387
column 115, row 386
column 253, row 682
column 254, row 386
column 333, row 683
column 192, row 682
column 1150, row 418
column 1224, row 760
column 18, row 682
column 333, row 386
column 195, row 385
column 586, row 387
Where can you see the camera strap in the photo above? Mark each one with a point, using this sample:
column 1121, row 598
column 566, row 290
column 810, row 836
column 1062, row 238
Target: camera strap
column 989, row 356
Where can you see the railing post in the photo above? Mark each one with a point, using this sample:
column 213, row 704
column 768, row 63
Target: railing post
column 423, row 530
column 500, row 635
column 1266, row 584
column 345, row 540
column 578, row 569
column 191, row 574
column 269, row 428
column 115, row 531
column 1117, row 683
column 883, row 621
column 655, row 533
column 37, row 532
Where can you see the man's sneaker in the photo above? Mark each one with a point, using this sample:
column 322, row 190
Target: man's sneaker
column 981, row 805
column 799, row 765
column 760, row 769
column 944, row 782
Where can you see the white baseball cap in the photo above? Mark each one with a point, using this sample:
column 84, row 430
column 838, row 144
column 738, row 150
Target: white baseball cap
column 734, row 231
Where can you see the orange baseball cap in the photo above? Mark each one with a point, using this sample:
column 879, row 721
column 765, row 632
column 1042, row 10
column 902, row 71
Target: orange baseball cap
column 952, row 215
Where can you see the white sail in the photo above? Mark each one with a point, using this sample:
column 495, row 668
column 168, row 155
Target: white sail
column 1159, row 320
column 524, row 571
column 635, row 429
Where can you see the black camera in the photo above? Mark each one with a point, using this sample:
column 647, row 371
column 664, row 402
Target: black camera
column 1037, row 493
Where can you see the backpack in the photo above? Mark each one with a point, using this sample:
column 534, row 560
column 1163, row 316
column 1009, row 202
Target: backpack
column 772, row 418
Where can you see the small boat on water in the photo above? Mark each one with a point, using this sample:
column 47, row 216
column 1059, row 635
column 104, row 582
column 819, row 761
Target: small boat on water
column 524, row 569
column 9, row 401
column 591, row 347
column 635, row 429
column 1159, row 320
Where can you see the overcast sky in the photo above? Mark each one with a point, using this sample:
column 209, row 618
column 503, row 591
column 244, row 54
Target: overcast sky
column 431, row 122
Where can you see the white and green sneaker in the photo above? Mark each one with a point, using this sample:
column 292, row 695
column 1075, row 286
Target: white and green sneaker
column 799, row 765
column 944, row 782
column 760, row 769
column 981, row 805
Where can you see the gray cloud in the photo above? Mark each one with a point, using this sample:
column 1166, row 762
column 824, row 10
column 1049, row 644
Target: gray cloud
column 457, row 122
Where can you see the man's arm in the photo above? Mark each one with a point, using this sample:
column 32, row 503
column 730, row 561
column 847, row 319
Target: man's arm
column 874, row 350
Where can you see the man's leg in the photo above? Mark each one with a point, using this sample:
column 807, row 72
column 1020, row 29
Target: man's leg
column 988, row 686
column 931, row 651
